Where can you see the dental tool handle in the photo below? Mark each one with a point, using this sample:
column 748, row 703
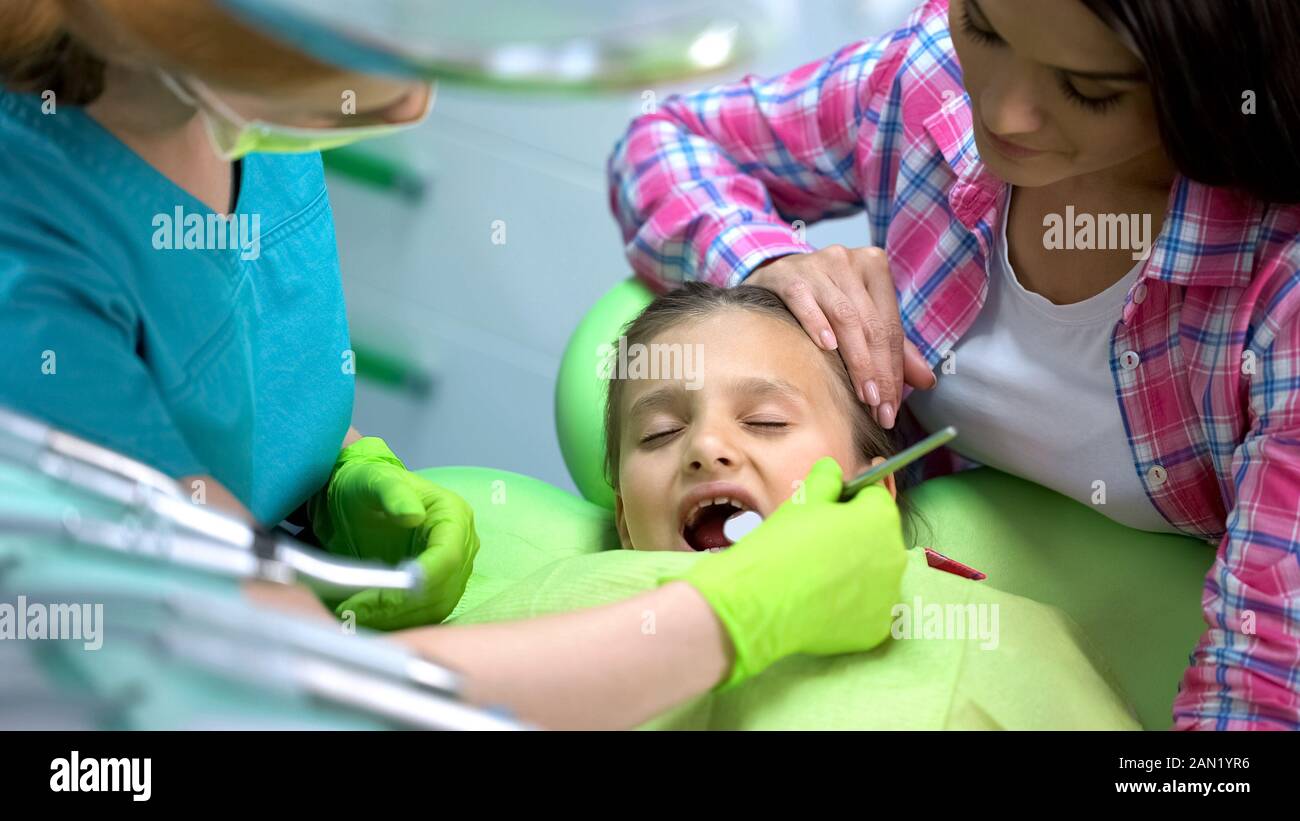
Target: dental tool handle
column 899, row 460
column 740, row 525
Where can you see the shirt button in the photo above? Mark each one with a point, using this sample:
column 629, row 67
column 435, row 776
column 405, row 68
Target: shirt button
column 1140, row 293
column 1129, row 360
column 1156, row 475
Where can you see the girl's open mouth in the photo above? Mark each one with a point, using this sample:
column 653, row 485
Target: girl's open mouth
column 702, row 527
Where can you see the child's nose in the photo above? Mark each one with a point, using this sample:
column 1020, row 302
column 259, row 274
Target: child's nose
column 709, row 450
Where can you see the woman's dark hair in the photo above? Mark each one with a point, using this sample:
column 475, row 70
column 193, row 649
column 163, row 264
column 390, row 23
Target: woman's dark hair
column 1206, row 60
column 698, row 300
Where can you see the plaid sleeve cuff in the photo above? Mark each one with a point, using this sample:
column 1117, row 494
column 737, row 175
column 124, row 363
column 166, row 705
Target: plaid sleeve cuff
column 739, row 249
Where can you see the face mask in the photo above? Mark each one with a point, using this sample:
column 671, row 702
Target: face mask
column 233, row 136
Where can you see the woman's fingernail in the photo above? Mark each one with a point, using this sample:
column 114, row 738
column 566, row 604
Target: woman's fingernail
column 871, row 393
column 887, row 415
column 828, row 340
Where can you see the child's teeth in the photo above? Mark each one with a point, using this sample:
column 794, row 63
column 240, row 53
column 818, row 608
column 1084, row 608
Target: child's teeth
column 694, row 515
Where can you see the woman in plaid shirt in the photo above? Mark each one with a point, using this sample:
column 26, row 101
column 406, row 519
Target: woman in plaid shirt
column 973, row 137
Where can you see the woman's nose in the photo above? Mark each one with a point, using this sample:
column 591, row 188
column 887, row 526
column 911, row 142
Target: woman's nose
column 1010, row 106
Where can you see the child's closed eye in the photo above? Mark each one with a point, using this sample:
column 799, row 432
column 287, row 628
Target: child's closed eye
column 657, row 436
column 767, row 425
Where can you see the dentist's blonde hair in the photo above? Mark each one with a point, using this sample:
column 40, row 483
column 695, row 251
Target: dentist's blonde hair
column 64, row 45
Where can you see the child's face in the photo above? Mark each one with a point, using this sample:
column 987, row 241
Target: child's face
column 767, row 407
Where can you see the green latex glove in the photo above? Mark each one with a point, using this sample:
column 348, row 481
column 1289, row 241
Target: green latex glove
column 817, row 576
column 374, row 508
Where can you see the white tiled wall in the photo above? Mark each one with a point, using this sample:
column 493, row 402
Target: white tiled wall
column 489, row 321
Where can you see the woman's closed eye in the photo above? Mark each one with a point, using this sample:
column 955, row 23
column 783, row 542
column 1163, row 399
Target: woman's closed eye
column 981, row 33
column 767, row 425
column 1098, row 104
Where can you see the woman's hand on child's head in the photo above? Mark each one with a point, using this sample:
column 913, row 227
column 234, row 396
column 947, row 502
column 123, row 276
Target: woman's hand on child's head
column 818, row 576
column 844, row 298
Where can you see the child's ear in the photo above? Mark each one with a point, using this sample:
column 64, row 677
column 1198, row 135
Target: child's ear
column 889, row 480
column 621, row 522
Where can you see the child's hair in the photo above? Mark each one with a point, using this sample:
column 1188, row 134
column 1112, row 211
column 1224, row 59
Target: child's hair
column 698, row 300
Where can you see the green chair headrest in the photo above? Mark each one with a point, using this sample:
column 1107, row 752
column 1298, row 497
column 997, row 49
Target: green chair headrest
column 580, row 389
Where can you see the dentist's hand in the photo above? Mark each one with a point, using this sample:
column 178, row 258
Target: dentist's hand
column 818, row 576
column 844, row 299
column 374, row 508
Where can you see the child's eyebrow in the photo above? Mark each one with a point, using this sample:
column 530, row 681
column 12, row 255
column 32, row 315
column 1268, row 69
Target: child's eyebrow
column 754, row 387
column 762, row 387
column 657, row 399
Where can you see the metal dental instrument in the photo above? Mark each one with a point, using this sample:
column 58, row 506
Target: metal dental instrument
column 167, row 525
column 200, row 552
column 256, row 627
column 328, row 681
column 269, row 649
column 321, row 640
column 67, row 458
column 899, row 460
column 740, row 525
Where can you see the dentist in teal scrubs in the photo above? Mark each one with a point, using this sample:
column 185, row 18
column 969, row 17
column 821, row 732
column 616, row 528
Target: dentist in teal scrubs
column 171, row 284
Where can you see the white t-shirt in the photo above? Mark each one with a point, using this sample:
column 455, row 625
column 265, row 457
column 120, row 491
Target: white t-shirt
column 1031, row 394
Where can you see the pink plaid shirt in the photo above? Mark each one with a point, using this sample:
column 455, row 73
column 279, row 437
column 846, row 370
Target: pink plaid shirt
column 706, row 188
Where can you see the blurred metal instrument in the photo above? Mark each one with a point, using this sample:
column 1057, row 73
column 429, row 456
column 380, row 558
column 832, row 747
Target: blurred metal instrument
column 162, row 523
column 269, row 650
column 100, row 552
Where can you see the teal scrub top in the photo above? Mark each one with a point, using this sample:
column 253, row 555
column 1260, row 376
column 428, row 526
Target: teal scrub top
column 231, row 361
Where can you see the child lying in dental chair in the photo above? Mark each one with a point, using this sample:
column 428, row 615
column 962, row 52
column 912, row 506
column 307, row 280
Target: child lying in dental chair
column 685, row 454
